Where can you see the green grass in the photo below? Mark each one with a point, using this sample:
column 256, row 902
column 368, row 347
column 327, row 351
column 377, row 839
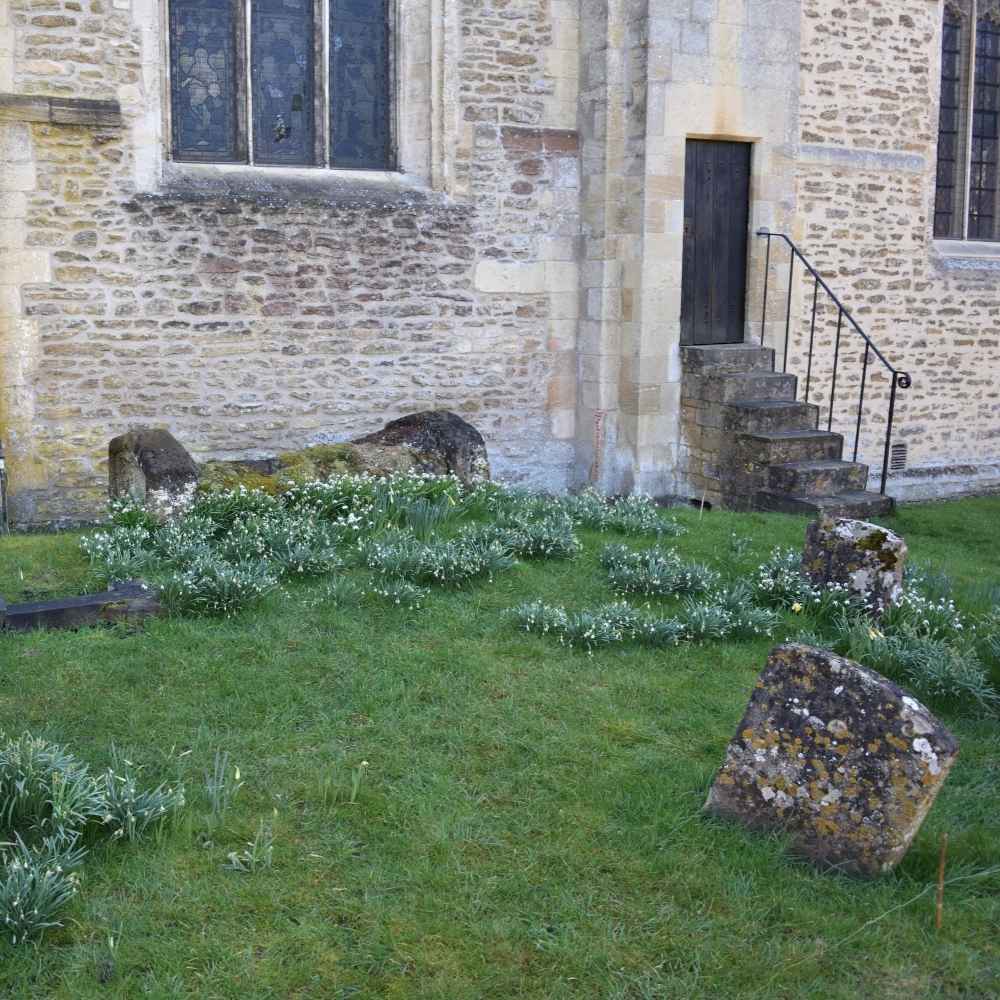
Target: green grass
column 528, row 824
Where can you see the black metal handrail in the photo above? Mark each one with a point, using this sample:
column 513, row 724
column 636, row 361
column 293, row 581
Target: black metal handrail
column 900, row 379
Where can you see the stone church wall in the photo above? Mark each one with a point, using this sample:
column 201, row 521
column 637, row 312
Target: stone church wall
column 867, row 162
column 252, row 311
column 524, row 269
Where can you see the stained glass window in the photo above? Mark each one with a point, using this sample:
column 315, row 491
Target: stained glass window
column 203, row 46
column 263, row 82
column 967, row 202
column 950, row 203
column 359, row 83
column 281, row 47
column 985, row 131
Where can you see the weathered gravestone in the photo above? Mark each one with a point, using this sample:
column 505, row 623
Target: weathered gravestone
column 441, row 442
column 146, row 461
column 437, row 442
column 866, row 559
column 131, row 601
column 839, row 758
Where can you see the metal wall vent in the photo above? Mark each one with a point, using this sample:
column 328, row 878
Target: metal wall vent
column 897, row 458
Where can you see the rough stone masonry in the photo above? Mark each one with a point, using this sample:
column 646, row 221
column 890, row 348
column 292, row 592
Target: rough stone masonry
column 522, row 268
column 837, row 757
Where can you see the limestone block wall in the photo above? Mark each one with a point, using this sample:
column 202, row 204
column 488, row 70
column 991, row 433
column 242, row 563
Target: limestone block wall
column 654, row 74
column 701, row 421
column 870, row 85
column 719, row 69
column 612, row 133
column 251, row 310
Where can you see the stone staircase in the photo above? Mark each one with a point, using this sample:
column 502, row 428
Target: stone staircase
column 752, row 445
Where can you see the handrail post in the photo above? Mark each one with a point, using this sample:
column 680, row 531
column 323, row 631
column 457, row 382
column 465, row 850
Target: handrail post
column 767, row 275
column 888, row 432
column 836, row 362
column 861, row 403
column 812, row 337
column 788, row 310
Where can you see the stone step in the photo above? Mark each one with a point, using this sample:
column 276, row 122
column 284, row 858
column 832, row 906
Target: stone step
column 727, row 358
column 830, row 477
column 862, row 505
column 721, row 387
column 778, row 447
column 754, row 415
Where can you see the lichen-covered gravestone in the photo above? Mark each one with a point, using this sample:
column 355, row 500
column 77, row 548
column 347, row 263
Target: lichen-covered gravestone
column 866, row 559
column 839, row 758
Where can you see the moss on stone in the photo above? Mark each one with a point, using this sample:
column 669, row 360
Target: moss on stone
column 231, row 475
column 319, row 462
column 876, row 542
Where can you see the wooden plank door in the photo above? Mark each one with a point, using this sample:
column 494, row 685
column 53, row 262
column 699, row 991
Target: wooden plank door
column 716, row 220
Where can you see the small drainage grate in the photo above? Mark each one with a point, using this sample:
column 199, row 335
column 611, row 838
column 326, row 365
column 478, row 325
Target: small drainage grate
column 897, row 458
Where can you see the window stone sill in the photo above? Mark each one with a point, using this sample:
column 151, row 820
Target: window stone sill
column 277, row 186
column 968, row 254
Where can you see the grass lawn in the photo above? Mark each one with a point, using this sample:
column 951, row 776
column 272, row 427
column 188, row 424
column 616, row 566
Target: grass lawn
column 528, row 823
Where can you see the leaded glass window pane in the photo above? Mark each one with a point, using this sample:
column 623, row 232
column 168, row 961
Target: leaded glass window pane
column 261, row 81
column 985, row 131
column 949, row 206
column 203, row 80
column 283, row 73
column 359, row 84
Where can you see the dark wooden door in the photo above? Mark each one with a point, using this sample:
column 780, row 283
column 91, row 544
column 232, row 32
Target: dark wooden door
column 716, row 220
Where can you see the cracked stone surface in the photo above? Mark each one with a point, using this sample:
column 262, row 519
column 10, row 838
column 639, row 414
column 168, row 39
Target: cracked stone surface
column 836, row 756
column 864, row 557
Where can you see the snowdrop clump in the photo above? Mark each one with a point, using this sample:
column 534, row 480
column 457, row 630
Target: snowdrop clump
column 49, row 801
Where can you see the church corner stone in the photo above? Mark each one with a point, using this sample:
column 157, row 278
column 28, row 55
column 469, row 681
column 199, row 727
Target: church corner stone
column 835, row 756
column 866, row 559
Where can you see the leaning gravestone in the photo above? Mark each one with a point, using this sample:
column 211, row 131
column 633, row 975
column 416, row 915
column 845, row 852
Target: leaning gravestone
column 836, row 756
column 146, row 460
column 866, row 559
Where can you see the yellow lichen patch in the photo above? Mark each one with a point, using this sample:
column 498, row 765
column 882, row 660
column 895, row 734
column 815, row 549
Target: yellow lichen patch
column 816, row 791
